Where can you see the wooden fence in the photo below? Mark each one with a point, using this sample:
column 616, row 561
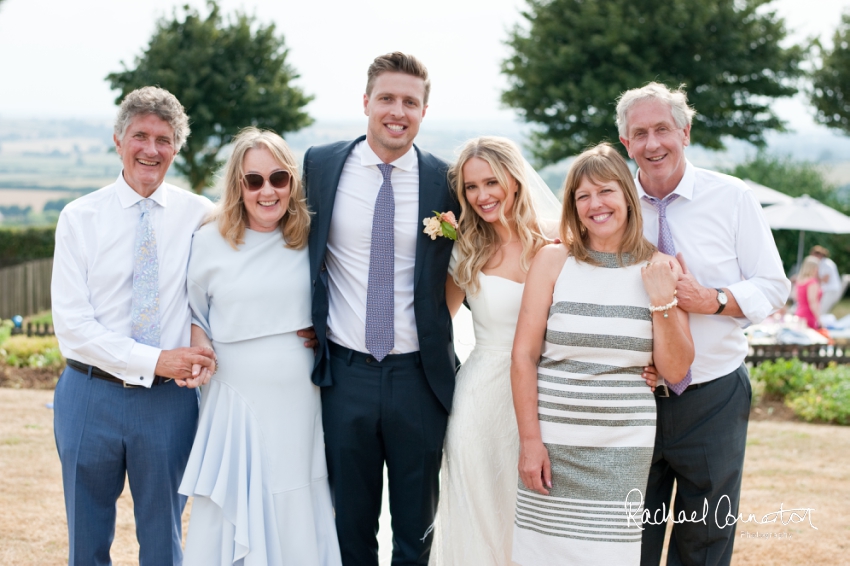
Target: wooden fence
column 818, row 354
column 25, row 288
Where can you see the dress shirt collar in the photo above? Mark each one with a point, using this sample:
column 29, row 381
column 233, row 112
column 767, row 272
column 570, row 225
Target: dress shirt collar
column 406, row 162
column 128, row 197
column 685, row 188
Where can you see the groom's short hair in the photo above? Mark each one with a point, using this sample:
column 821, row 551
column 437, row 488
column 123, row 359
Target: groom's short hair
column 397, row 62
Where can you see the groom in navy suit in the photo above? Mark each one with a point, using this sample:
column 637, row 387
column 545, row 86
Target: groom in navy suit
column 386, row 361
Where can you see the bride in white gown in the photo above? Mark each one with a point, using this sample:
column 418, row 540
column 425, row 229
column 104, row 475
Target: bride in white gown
column 505, row 216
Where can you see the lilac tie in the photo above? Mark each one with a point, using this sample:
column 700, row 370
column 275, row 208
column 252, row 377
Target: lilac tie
column 380, row 295
column 666, row 246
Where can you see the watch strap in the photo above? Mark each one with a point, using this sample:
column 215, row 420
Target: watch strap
column 720, row 305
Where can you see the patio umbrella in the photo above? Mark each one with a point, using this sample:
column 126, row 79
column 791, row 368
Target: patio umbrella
column 767, row 196
column 806, row 215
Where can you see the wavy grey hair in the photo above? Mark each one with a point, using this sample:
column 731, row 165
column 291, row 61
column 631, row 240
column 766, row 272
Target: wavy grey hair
column 677, row 100
column 157, row 101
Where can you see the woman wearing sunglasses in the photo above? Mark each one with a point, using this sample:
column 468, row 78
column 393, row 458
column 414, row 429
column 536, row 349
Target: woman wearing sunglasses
column 257, row 469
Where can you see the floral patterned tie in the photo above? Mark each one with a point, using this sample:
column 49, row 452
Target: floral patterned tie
column 666, row 246
column 380, row 295
column 145, row 313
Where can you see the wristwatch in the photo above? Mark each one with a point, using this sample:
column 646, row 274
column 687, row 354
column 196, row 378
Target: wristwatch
column 722, row 299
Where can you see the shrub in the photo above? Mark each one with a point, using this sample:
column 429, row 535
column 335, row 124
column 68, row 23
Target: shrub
column 782, row 376
column 18, row 245
column 5, row 330
column 826, row 398
column 34, row 352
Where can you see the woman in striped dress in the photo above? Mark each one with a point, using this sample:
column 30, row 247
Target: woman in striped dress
column 595, row 311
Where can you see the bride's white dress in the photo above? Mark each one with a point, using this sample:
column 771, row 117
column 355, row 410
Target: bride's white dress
column 478, row 482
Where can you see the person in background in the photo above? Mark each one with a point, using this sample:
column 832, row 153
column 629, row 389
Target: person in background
column 809, row 292
column 121, row 314
column 830, row 279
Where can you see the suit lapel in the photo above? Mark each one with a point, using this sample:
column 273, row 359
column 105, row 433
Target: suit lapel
column 330, row 173
column 430, row 198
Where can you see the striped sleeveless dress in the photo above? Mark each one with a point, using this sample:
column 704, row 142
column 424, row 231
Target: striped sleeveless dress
column 597, row 420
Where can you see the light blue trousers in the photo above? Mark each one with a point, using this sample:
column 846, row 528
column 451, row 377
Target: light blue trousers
column 104, row 431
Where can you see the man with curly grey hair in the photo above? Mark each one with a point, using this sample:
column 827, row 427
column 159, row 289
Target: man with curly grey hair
column 733, row 277
column 121, row 314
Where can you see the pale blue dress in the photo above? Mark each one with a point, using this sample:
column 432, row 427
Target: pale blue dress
column 257, row 470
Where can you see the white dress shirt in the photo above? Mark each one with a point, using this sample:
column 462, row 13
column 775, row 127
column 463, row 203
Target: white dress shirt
column 92, row 286
column 828, row 267
column 718, row 226
column 350, row 241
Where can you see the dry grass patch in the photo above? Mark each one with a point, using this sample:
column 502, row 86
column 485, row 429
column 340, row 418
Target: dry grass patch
column 790, row 463
column 33, row 530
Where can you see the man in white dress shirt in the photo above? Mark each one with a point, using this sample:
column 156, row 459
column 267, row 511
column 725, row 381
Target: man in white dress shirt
column 732, row 277
column 121, row 315
column 830, row 279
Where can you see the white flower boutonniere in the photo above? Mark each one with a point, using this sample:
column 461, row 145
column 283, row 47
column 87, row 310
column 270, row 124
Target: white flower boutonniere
column 441, row 224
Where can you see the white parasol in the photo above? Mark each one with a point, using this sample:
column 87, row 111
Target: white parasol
column 806, row 215
column 767, row 196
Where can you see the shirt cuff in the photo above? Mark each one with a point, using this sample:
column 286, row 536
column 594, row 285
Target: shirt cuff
column 141, row 368
column 752, row 303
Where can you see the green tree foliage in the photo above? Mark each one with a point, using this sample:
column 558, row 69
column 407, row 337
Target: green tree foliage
column 573, row 58
column 830, row 94
column 228, row 75
column 797, row 178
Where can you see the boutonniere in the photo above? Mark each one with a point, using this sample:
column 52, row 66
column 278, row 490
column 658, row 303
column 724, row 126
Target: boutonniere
column 441, row 224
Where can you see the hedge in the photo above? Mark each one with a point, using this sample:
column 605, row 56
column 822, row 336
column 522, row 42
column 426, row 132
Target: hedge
column 18, row 245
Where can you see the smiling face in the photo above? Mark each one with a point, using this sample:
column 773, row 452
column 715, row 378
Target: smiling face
column 266, row 206
column 395, row 109
column 484, row 193
column 146, row 150
column 657, row 145
column 603, row 212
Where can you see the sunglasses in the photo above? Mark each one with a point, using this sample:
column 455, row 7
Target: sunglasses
column 278, row 180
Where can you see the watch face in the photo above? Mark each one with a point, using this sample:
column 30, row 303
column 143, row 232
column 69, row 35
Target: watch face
column 721, row 297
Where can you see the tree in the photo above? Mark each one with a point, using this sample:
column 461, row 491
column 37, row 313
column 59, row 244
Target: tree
column 227, row 75
column 575, row 57
column 797, row 178
column 830, row 93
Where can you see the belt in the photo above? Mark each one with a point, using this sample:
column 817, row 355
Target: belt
column 366, row 358
column 100, row 374
column 661, row 390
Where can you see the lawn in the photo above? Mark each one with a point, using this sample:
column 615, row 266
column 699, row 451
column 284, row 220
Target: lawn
column 792, row 464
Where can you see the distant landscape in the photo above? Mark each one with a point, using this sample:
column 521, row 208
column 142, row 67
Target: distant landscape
column 46, row 163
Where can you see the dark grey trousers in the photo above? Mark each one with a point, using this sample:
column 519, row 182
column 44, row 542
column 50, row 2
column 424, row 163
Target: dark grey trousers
column 699, row 442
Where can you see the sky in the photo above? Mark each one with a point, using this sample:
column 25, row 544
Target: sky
column 54, row 54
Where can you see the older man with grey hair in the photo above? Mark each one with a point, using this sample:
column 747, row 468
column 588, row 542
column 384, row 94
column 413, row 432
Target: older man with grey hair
column 121, row 314
column 732, row 276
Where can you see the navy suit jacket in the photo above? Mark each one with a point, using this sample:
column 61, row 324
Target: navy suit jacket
column 322, row 170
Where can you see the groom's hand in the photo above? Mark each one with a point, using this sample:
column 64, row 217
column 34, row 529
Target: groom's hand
column 310, row 335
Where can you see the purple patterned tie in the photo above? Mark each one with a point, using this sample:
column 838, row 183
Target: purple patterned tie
column 666, row 246
column 380, row 295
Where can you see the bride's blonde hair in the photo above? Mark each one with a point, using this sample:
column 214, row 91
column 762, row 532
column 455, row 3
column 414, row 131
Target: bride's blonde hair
column 477, row 239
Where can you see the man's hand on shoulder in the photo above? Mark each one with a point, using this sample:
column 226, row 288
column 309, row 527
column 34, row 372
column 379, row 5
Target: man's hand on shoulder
column 178, row 363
